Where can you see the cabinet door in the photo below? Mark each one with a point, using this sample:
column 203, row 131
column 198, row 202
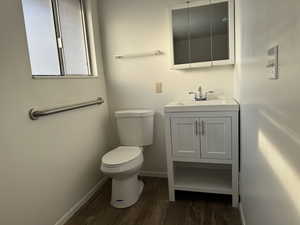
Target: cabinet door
column 200, row 33
column 222, row 32
column 180, row 35
column 215, row 138
column 185, row 137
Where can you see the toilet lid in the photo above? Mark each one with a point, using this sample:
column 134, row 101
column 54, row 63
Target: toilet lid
column 121, row 155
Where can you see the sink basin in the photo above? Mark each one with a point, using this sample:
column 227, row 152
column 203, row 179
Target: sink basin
column 208, row 105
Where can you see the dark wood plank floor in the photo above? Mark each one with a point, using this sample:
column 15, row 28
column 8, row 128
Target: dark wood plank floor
column 153, row 208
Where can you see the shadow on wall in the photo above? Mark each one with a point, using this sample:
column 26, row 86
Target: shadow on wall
column 277, row 162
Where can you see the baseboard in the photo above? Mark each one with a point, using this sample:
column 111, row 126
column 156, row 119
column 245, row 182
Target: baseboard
column 145, row 173
column 81, row 202
column 242, row 214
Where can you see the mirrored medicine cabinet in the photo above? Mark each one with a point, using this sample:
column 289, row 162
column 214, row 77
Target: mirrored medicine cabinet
column 202, row 34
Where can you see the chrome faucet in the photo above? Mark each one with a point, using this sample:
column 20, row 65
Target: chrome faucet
column 198, row 96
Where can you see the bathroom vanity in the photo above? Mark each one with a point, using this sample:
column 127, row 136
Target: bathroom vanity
column 202, row 144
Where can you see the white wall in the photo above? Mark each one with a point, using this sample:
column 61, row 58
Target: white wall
column 270, row 179
column 134, row 26
column 47, row 165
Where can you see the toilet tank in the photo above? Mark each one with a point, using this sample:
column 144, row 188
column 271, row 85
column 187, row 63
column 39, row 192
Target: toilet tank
column 135, row 127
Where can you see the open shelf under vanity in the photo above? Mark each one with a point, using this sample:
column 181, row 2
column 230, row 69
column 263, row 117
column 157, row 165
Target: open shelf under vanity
column 206, row 178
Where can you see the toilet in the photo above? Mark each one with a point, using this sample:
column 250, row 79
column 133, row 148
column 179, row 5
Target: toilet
column 123, row 164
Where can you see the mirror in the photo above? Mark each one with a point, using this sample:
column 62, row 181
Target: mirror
column 220, row 42
column 200, row 29
column 180, row 29
column 203, row 34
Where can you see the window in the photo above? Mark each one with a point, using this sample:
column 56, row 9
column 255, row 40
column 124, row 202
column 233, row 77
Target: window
column 57, row 37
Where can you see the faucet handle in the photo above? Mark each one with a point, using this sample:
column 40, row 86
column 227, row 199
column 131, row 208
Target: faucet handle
column 208, row 92
column 194, row 93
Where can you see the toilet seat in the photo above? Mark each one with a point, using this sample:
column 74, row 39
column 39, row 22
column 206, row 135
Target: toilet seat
column 122, row 158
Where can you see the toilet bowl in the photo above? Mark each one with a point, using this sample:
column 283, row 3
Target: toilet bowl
column 123, row 163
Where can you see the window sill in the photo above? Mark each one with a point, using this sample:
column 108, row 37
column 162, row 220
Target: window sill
column 64, row 77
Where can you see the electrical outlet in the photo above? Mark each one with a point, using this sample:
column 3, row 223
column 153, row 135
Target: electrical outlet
column 158, row 87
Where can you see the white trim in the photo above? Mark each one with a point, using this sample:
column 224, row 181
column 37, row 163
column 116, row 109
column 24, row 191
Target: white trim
column 199, row 3
column 172, row 41
column 179, row 66
column 168, row 143
column 146, row 173
column 201, row 64
column 81, row 202
column 242, row 214
column 197, row 160
column 223, row 62
column 190, row 4
column 90, row 19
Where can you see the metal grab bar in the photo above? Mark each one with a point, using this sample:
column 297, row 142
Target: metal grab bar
column 35, row 114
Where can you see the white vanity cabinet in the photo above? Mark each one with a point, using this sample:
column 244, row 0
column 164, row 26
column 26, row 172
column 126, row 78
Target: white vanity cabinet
column 206, row 138
column 202, row 147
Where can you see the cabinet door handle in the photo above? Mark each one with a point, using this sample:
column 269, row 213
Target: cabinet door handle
column 203, row 127
column 196, row 128
column 199, row 127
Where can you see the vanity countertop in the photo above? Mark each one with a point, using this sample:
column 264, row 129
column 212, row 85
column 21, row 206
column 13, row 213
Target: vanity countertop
column 209, row 105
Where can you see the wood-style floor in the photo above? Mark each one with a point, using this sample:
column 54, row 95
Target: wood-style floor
column 153, row 208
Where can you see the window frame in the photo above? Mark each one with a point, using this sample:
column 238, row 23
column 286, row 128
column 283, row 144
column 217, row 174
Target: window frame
column 88, row 32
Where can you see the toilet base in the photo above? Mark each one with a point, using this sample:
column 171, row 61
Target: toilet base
column 126, row 192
